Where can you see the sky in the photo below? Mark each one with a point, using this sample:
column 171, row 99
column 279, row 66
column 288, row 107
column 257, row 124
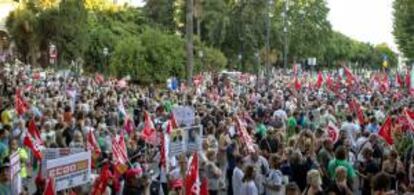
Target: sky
column 364, row 20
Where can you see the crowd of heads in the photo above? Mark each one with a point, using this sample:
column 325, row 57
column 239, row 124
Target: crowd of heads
column 292, row 151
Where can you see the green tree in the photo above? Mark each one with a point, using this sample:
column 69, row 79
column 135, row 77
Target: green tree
column 384, row 50
column 309, row 28
column 22, row 24
column 404, row 26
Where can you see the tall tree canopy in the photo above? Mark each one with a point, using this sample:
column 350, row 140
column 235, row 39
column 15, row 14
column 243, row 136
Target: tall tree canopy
column 404, row 27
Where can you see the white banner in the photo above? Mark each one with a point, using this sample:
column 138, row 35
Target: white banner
column 176, row 143
column 54, row 153
column 69, row 171
column 184, row 115
column 193, row 138
column 188, row 139
column 16, row 181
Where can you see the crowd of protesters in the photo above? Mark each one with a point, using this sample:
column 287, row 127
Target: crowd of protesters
column 286, row 133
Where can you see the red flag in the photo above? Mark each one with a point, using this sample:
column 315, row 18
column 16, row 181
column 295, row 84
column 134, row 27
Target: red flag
column 33, row 145
column 149, row 132
column 319, row 81
column 99, row 187
column 333, row 132
column 399, row 80
column 119, row 153
column 408, row 80
column 356, row 108
column 298, row 85
column 409, row 118
column 163, row 153
column 128, row 125
column 20, row 105
column 245, row 137
column 191, row 180
column 169, row 127
column 386, row 132
column 99, row 78
column 204, row 187
column 34, row 132
column 350, row 78
column 329, row 82
column 173, row 121
column 384, row 83
column 50, row 187
column 92, row 144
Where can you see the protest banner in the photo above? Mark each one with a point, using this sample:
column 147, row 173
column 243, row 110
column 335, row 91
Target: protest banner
column 69, row 171
column 187, row 139
column 184, row 115
column 54, row 153
column 193, row 138
column 16, row 182
column 176, row 144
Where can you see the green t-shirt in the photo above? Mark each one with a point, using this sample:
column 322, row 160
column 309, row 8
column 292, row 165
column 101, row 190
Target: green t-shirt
column 335, row 163
column 291, row 126
column 261, row 129
column 168, row 106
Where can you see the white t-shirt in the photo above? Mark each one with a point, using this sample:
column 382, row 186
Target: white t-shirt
column 351, row 129
column 275, row 177
column 249, row 188
column 237, row 180
column 281, row 114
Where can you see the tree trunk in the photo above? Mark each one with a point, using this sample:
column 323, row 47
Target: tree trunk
column 199, row 28
column 189, row 41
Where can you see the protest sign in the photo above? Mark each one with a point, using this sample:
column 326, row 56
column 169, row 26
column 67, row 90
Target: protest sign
column 186, row 139
column 16, row 182
column 54, row 153
column 176, row 144
column 193, row 138
column 184, row 115
column 69, row 171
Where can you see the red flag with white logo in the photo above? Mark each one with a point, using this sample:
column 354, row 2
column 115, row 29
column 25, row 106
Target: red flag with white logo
column 149, row 133
column 410, row 118
column 350, row 78
column 34, row 132
column 192, row 177
column 333, row 132
column 35, row 147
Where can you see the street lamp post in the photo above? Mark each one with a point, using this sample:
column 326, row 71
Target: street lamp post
column 201, row 56
column 105, row 53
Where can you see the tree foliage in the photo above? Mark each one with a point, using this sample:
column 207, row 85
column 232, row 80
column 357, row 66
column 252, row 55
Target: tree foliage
column 142, row 41
column 404, row 26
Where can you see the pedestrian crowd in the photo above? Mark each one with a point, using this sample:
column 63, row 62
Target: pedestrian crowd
column 289, row 132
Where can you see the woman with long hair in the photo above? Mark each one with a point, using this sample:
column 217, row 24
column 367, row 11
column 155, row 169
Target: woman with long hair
column 249, row 187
